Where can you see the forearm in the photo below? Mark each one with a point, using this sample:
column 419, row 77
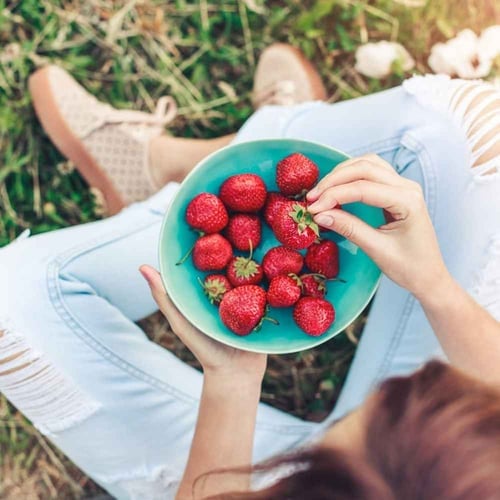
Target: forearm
column 469, row 335
column 224, row 436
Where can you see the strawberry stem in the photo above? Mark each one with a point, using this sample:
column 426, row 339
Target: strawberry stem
column 200, row 234
column 323, row 277
column 266, row 318
column 251, row 249
column 301, row 196
column 316, row 275
column 274, row 321
column 338, row 279
column 184, row 258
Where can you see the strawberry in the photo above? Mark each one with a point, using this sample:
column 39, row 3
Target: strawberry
column 294, row 226
column 212, row 253
column 244, row 231
column 281, row 260
column 273, row 202
column 242, row 309
column 206, row 213
column 296, row 174
column 283, row 291
column 323, row 258
column 244, row 271
column 313, row 315
column 313, row 285
column 215, row 286
column 243, row 193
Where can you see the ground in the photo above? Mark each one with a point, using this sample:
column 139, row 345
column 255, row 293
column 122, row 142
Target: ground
column 203, row 53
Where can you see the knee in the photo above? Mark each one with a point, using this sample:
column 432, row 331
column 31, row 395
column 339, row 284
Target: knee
column 31, row 377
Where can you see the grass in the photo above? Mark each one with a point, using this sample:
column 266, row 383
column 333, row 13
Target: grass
column 203, row 53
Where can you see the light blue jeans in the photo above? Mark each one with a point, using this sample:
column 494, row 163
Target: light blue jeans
column 123, row 408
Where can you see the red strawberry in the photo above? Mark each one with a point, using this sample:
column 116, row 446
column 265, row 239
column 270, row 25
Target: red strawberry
column 313, row 315
column 206, row 213
column 294, row 226
column 244, row 271
column 244, row 231
column 283, row 291
column 282, row 260
column 243, row 193
column 296, row 174
column 212, row 253
column 273, row 202
column 313, row 285
column 243, row 308
column 323, row 258
column 215, row 286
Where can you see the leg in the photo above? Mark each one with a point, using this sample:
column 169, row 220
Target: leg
column 172, row 158
column 426, row 146
column 73, row 361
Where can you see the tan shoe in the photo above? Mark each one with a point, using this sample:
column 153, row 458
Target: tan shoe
column 284, row 77
column 108, row 146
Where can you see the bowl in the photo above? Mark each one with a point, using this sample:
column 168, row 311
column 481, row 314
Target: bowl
column 260, row 157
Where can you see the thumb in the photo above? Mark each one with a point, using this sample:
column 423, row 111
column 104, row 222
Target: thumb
column 352, row 228
column 188, row 334
column 153, row 278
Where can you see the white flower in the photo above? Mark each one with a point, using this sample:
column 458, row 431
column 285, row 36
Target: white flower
column 376, row 59
column 65, row 167
column 489, row 43
column 466, row 55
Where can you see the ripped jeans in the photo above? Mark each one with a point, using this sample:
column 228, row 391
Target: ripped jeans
column 124, row 409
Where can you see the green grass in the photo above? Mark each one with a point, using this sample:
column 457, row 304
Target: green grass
column 203, row 53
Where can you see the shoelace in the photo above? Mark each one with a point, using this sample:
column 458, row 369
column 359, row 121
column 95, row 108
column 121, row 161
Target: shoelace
column 165, row 112
column 280, row 93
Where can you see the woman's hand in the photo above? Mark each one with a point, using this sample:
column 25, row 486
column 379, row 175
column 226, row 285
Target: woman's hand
column 405, row 248
column 216, row 359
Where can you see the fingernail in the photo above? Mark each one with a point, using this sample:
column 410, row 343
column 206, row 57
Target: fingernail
column 324, row 220
column 313, row 207
column 312, row 194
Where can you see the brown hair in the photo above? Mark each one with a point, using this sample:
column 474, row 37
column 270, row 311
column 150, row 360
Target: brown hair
column 433, row 435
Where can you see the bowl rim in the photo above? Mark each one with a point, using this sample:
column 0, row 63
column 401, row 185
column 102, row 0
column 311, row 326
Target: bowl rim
column 320, row 339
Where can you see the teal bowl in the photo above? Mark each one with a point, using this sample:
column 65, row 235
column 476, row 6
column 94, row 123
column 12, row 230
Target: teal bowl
column 260, row 157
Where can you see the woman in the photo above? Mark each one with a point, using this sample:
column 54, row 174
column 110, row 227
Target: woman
column 145, row 425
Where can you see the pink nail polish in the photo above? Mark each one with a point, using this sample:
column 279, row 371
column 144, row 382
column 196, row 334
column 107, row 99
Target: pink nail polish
column 313, row 194
column 324, row 220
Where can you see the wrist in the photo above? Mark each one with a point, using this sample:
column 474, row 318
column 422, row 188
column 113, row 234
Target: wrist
column 232, row 385
column 441, row 290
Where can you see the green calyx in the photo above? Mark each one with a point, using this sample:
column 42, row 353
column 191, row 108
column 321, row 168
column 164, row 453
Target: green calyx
column 303, row 219
column 245, row 267
column 214, row 289
column 320, row 279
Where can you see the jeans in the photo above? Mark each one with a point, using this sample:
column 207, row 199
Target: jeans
column 124, row 409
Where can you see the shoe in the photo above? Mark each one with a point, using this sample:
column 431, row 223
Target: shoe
column 108, row 146
column 285, row 77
